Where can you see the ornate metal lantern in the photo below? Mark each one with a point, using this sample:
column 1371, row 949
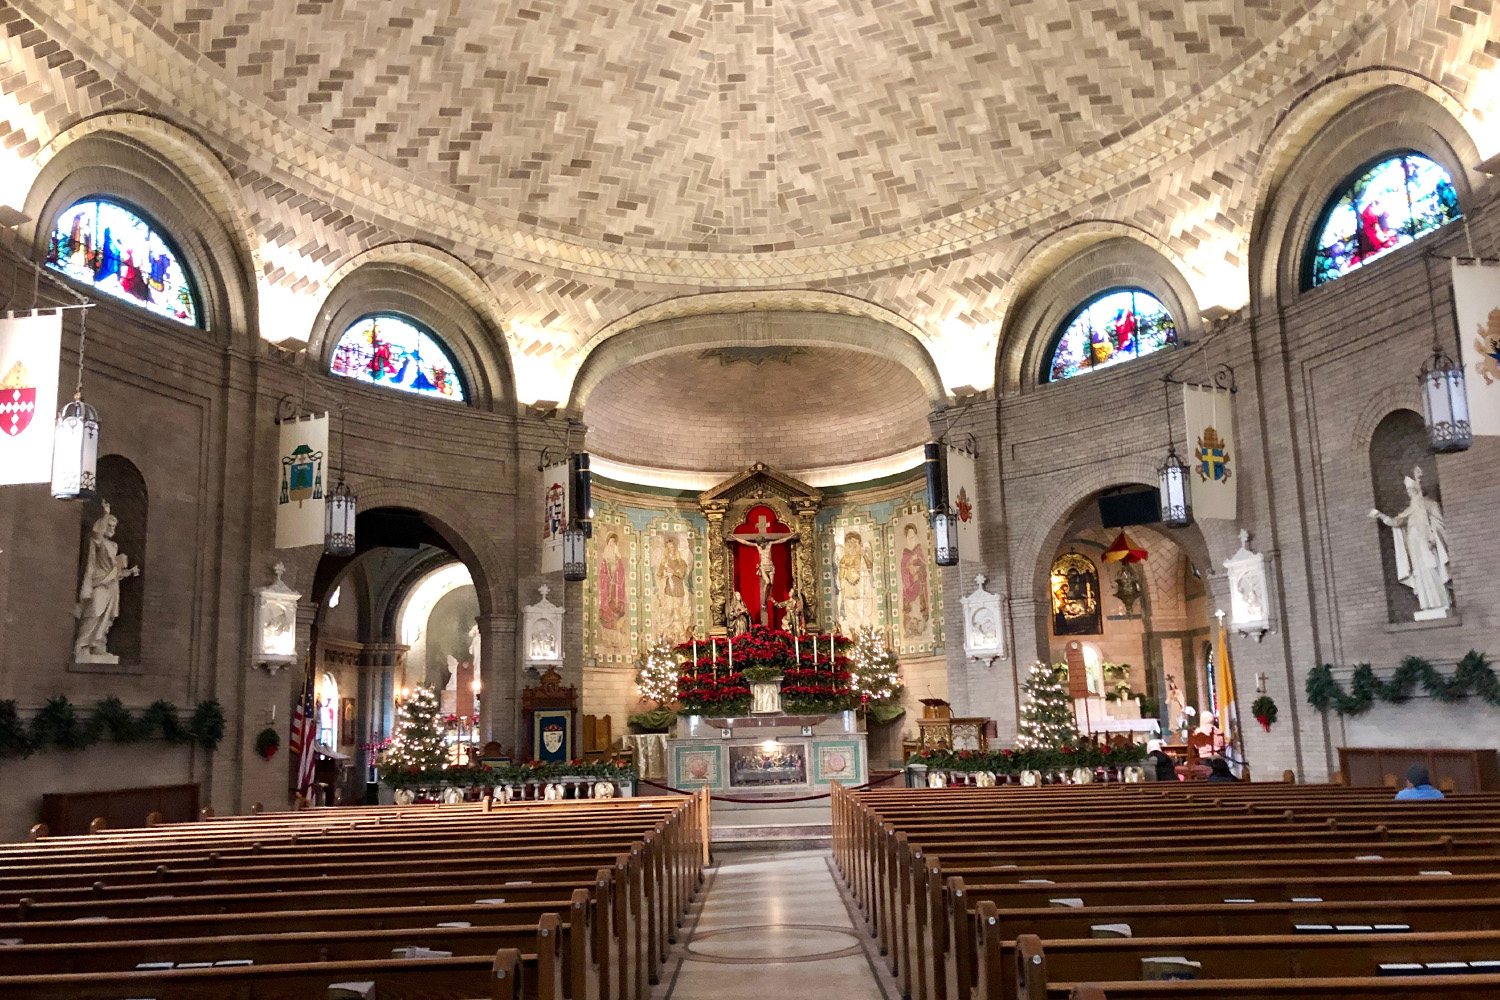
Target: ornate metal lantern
column 945, row 538
column 75, row 448
column 583, row 491
column 1176, row 505
column 575, row 557
column 1445, row 403
column 342, row 506
column 75, row 451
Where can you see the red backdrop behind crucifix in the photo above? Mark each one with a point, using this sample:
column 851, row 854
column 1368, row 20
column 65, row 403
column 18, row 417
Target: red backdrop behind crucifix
column 762, row 530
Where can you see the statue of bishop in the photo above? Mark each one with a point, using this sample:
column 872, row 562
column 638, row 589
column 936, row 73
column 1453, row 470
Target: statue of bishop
column 1421, row 549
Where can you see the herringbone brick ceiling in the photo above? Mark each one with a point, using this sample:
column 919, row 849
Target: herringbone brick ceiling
column 723, row 126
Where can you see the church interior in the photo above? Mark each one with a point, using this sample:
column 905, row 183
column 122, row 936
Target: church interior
column 637, row 501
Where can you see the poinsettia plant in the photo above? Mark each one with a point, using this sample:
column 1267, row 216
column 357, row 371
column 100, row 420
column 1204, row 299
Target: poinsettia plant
column 813, row 681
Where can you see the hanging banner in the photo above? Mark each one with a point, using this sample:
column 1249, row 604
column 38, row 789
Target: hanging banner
column 555, row 499
column 299, row 498
column 1476, row 300
column 29, row 351
column 963, row 488
column 1213, row 461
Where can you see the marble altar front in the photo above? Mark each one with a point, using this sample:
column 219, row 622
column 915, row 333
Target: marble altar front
column 768, row 757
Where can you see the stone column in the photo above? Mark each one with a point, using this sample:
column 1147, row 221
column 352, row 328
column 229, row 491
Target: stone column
column 718, row 572
column 499, row 649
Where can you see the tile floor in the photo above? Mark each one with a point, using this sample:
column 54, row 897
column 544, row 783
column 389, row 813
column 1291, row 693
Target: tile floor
column 772, row 926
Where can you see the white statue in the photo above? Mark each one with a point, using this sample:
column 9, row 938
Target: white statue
column 474, row 645
column 99, row 594
column 1421, row 549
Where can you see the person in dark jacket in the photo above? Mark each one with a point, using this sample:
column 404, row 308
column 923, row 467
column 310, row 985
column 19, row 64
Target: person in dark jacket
column 1166, row 769
column 1219, row 770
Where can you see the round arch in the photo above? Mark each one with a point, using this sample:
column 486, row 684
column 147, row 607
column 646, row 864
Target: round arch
column 436, row 289
column 178, row 182
column 1072, row 266
column 875, row 330
column 1351, row 120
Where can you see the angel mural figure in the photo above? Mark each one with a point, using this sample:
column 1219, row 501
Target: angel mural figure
column 671, row 608
column 856, row 581
column 1421, row 548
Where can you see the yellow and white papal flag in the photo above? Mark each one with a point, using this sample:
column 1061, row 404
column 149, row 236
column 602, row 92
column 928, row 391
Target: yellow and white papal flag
column 1476, row 301
column 29, row 350
column 303, row 482
column 963, row 501
column 1212, row 458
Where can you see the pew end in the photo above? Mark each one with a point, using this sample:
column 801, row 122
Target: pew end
column 1089, row 991
column 97, row 825
column 505, row 976
column 38, row 832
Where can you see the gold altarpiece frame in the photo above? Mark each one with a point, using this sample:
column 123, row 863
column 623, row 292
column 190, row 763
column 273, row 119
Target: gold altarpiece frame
column 724, row 507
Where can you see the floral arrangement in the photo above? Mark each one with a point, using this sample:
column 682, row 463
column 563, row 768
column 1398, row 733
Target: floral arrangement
column 485, row 776
column 1084, row 753
column 813, row 681
column 1265, row 712
column 267, row 742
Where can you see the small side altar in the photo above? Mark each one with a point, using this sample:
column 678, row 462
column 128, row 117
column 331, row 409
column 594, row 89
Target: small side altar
column 767, row 714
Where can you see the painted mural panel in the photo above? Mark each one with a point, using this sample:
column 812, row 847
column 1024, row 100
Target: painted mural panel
column 913, row 572
column 672, row 583
column 857, row 586
column 612, row 603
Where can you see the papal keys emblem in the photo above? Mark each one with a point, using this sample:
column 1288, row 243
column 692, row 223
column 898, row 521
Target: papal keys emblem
column 17, row 400
column 552, row 737
column 1213, row 457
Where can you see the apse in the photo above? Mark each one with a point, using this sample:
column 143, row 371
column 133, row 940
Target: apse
column 825, row 414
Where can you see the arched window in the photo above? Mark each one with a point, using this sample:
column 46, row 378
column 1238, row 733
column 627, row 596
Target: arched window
column 390, row 350
column 1115, row 326
column 106, row 245
column 1382, row 206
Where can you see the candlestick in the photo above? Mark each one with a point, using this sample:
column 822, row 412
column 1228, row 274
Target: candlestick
column 731, row 654
column 797, row 651
column 695, row 653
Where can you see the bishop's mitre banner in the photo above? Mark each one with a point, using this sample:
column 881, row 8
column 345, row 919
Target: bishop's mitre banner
column 963, row 487
column 1476, row 301
column 301, row 481
column 1212, row 458
column 554, row 507
column 29, row 350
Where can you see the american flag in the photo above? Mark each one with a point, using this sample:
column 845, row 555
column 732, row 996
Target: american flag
column 304, row 736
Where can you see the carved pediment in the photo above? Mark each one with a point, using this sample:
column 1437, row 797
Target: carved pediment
column 761, row 482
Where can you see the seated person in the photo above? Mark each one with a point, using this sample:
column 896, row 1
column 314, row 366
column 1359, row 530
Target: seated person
column 1218, row 770
column 1160, row 761
column 1418, row 785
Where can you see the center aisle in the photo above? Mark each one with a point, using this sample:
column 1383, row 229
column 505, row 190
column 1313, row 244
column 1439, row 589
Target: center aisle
column 772, row 926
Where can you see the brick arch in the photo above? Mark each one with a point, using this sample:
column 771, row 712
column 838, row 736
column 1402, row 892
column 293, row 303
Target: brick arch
column 1060, row 272
column 493, row 574
column 228, row 236
column 1345, row 121
column 752, row 320
column 1403, row 395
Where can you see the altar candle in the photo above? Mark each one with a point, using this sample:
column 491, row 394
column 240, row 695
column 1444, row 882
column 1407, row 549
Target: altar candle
column 695, row 654
column 797, row 651
column 731, row 654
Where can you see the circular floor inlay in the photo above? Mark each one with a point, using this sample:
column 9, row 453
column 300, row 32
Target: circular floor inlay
column 762, row 943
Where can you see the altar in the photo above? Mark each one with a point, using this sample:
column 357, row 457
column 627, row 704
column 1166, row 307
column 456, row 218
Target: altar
column 768, row 757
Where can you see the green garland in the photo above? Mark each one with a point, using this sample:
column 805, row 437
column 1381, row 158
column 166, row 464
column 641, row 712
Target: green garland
column 58, row 726
column 1084, row 753
column 1474, row 677
column 485, row 776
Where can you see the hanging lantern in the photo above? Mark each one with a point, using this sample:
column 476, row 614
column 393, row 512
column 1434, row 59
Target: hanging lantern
column 583, row 491
column 342, row 506
column 1445, row 403
column 575, row 557
column 945, row 535
column 75, row 451
column 1176, row 506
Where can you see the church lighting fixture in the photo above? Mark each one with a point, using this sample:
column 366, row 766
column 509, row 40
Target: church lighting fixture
column 583, row 489
column 341, row 506
column 575, row 558
column 944, row 524
column 1172, row 481
column 1445, row 403
column 75, row 449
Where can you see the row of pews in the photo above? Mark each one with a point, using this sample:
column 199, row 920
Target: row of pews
column 1102, row 892
column 546, row 900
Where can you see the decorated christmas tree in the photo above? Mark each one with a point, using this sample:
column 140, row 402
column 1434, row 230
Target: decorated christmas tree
column 877, row 678
column 656, row 673
column 1047, row 716
column 418, row 737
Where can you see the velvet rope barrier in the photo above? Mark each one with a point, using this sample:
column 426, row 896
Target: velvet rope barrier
column 762, row 802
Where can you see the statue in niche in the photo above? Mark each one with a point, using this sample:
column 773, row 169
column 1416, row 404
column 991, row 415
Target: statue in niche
column 736, row 615
column 99, row 593
column 1421, row 549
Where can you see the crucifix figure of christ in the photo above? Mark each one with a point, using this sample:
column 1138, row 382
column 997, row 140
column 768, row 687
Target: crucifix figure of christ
column 762, row 540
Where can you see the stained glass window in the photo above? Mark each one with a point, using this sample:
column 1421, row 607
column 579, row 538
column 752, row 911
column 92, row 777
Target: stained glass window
column 393, row 351
column 1384, row 206
column 108, row 246
column 1120, row 324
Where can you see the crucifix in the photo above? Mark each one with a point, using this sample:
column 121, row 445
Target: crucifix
column 762, row 540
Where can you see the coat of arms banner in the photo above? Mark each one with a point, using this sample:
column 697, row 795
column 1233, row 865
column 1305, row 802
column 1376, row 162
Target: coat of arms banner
column 1476, row 300
column 963, row 487
column 1210, row 441
column 301, row 481
column 555, row 500
column 29, row 349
